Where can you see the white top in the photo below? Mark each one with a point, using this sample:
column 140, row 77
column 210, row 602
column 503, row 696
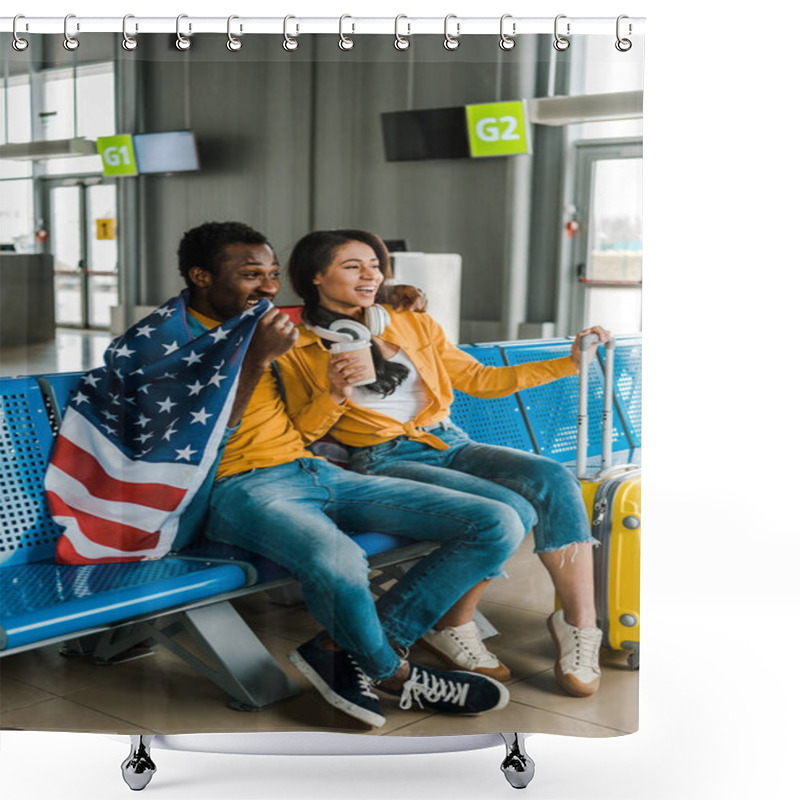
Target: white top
column 405, row 402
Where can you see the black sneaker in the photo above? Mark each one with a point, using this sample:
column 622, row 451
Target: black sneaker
column 455, row 692
column 339, row 679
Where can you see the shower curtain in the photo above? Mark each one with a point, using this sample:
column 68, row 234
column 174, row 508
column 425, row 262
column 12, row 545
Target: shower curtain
column 505, row 181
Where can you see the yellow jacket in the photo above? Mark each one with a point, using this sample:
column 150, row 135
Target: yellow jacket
column 441, row 366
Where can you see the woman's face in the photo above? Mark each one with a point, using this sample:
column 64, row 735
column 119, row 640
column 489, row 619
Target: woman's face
column 350, row 281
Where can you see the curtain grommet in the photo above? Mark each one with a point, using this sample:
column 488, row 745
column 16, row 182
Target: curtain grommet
column 70, row 42
column 234, row 44
column 623, row 44
column 290, row 43
column 507, row 41
column 559, row 42
column 345, row 42
column 129, row 42
column 451, row 41
column 401, row 42
column 18, row 43
column 182, row 42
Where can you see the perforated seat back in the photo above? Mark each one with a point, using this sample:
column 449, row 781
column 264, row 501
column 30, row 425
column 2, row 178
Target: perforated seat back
column 58, row 389
column 495, row 421
column 552, row 409
column 27, row 531
column 628, row 385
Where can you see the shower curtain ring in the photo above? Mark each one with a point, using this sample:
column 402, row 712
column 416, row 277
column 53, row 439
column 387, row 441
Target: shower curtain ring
column 401, row 42
column 451, row 40
column 290, row 43
column 623, row 45
column 233, row 43
column 128, row 42
column 345, row 42
column 19, row 44
column 182, row 43
column 507, row 41
column 559, row 42
column 70, row 42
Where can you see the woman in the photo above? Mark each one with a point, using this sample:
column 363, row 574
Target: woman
column 399, row 426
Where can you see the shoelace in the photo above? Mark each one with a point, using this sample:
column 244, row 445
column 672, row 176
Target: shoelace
column 426, row 686
column 473, row 645
column 364, row 681
column 587, row 645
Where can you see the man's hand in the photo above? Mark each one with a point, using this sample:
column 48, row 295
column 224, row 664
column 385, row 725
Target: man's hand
column 343, row 372
column 575, row 352
column 403, row 297
column 274, row 335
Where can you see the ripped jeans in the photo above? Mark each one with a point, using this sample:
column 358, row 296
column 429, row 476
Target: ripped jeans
column 544, row 493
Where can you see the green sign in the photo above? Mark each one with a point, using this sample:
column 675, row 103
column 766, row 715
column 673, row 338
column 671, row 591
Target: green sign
column 498, row 129
column 117, row 154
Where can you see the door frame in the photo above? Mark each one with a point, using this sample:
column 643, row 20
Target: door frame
column 45, row 185
column 586, row 154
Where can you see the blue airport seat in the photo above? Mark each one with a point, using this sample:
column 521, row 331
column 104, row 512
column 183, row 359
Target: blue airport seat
column 497, row 421
column 58, row 389
column 42, row 599
column 45, row 600
column 552, row 409
column 628, row 385
column 27, row 531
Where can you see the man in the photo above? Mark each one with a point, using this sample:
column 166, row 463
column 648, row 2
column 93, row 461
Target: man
column 272, row 496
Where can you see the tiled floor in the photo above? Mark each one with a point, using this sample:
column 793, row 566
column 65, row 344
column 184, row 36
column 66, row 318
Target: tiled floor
column 41, row 690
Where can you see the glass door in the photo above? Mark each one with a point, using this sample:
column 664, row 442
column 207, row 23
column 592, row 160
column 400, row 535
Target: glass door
column 607, row 237
column 82, row 218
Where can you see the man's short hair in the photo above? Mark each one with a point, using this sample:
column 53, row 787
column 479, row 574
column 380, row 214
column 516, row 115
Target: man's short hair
column 202, row 246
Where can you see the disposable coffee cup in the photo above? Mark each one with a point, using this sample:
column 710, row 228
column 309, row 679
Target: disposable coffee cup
column 362, row 353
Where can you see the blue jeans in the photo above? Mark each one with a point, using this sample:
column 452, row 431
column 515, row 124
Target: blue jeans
column 295, row 514
column 544, row 493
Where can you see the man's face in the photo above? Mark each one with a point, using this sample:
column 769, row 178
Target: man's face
column 245, row 275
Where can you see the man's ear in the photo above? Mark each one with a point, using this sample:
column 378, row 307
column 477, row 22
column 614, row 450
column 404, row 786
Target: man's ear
column 200, row 277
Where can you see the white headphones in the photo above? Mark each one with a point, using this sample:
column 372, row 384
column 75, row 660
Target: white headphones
column 376, row 319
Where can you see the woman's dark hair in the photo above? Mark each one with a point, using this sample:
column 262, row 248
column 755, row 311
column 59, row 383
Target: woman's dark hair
column 202, row 246
column 313, row 254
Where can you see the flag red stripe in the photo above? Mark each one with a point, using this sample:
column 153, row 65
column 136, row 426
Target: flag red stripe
column 67, row 554
column 84, row 467
column 107, row 533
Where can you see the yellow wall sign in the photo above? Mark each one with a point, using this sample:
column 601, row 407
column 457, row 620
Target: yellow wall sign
column 498, row 129
column 105, row 229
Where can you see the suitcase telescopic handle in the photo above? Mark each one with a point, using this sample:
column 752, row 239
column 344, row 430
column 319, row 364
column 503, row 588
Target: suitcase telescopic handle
column 586, row 342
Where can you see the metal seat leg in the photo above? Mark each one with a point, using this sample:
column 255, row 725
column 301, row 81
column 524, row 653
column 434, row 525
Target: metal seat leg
column 138, row 768
column 517, row 766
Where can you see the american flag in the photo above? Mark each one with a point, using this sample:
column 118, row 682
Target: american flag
column 141, row 434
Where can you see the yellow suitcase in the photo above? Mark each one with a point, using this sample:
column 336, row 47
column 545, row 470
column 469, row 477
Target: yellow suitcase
column 613, row 503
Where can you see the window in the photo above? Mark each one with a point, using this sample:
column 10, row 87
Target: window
column 77, row 101
column 15, row 123
column 68, row 103
column 598, row 67
column 16, row 215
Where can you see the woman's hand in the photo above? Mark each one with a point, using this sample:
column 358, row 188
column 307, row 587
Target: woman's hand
column 575, row 354
column 343, row 372
column 403, row 297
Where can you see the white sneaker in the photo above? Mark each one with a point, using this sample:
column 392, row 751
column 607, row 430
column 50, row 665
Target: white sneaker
column 578, row 655
column 463, row 648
